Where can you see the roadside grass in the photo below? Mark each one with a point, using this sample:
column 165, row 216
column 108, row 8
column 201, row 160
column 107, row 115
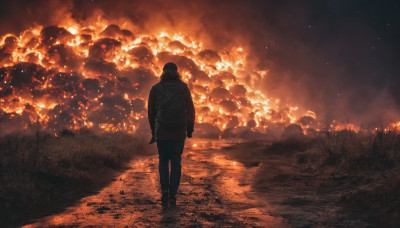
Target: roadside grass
column 40, row 173
column 361, row 168
column 371, row 163
column 353, row 152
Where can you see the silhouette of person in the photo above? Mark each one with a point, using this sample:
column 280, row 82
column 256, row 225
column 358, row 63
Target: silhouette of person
column 171, row 116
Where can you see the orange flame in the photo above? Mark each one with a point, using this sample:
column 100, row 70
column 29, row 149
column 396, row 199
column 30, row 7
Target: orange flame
column 98, row 77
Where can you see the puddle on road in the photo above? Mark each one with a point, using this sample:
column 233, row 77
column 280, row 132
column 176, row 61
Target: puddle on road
column 214, row 191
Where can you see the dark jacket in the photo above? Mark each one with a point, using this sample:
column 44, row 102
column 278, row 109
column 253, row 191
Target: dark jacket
column 161, row 132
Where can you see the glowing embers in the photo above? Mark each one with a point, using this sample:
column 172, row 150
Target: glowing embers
column 99, row 76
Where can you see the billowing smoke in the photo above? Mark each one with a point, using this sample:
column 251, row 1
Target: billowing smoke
column 327, row 57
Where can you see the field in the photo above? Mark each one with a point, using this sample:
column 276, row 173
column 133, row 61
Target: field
column 339, row 179
column 42, row 173
column 332, row 180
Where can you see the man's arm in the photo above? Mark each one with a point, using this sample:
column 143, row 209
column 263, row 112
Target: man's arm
column 190, row 114
column 151, row 109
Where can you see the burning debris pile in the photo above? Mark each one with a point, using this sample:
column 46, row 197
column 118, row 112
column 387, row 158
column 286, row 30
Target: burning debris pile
column 98, row 77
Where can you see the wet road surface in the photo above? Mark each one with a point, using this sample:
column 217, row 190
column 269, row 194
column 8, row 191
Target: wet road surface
column 214, row 191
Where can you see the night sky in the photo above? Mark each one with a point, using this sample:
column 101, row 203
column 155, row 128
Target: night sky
column 336, row 57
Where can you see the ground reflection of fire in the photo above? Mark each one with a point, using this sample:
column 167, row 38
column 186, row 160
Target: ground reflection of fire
column 98, row 77
column 223, row 186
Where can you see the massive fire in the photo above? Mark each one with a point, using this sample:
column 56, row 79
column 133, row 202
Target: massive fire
column 98, row 77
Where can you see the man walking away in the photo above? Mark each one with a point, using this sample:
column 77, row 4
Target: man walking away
column 171, row 116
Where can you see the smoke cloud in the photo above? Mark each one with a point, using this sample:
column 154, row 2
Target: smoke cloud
column 337, row 58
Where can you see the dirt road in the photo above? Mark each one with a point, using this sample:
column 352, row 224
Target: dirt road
column 214, row 191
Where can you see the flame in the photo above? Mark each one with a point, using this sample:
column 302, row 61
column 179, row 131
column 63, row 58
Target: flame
column 98, row 76
column 395, row 126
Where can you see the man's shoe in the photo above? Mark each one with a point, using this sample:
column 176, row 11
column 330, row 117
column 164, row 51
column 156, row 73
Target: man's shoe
column 164, row 198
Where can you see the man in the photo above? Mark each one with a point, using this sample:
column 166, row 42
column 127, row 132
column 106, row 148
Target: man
column 171, row 116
